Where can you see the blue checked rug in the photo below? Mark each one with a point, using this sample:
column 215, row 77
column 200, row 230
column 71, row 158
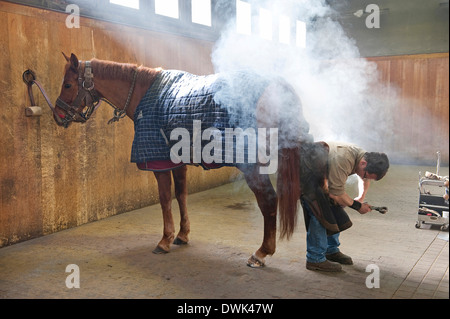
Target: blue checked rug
column 177, row 98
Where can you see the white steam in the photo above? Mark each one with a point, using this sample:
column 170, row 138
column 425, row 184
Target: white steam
column 341, row 93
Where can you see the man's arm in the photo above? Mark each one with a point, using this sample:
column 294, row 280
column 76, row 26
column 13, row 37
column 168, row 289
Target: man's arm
column 346, row 200
column 342, row 200
column 363, row 187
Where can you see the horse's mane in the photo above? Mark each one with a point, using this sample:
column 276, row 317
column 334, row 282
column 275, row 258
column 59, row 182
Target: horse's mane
column 122, row 71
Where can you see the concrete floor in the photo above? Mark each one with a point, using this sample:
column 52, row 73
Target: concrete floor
column 115, row 260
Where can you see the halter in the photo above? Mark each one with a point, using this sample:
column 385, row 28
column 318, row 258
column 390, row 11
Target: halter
column 87, row 94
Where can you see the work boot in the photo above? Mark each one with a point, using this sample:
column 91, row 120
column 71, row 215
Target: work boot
column 340, row 258
column 324, row 266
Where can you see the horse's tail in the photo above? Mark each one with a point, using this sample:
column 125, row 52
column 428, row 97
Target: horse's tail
column 294, row 133
column 293, row 130
column 288, row 189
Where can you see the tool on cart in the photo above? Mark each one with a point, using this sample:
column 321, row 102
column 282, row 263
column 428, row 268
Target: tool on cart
column 433, row 198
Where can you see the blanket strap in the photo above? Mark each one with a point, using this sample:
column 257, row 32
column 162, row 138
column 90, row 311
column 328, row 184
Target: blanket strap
column 121, row 113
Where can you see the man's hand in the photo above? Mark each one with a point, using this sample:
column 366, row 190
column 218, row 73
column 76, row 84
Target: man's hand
column 365, row 208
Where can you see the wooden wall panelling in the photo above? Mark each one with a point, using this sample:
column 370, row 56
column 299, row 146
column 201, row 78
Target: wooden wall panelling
column 441, row 104
column 6, row 182
column 421, row 116
column 19, row 187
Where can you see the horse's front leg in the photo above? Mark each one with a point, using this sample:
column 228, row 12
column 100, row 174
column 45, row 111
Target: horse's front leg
column 267, row 201
column 165, row 198
column 179, row 177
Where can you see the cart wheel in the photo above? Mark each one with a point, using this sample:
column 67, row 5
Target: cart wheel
column 444, row 227
column 418, row 224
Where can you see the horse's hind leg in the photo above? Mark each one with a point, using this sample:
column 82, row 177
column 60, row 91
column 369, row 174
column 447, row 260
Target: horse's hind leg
column 165, row 198
column 179, row 177
column 267, row 201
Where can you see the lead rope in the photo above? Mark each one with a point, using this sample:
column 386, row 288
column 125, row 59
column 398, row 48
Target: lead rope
column 118, row 113
column 29, row 78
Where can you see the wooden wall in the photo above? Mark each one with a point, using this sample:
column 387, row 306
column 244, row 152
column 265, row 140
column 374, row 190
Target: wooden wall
column 53, row 178
column 421, row 118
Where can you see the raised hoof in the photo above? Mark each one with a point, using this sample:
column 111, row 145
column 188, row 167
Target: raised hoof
column 255, row 262
column 159, row 250
column 179, row 241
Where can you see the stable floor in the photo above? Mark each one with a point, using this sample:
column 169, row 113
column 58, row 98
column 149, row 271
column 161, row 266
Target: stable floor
column 115, row 260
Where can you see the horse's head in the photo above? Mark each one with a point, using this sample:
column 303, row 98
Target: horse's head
column 77, row 93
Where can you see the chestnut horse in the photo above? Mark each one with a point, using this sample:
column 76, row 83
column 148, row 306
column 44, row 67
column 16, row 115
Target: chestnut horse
column 124, row 85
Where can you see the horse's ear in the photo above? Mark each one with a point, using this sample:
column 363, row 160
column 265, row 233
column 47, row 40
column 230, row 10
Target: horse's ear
column 74, row 62
column 65, row 56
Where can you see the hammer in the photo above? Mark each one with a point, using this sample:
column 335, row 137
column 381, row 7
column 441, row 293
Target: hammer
column 381, row 210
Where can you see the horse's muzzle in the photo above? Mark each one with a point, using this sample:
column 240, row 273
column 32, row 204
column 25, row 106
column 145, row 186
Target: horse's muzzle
column 60, row 120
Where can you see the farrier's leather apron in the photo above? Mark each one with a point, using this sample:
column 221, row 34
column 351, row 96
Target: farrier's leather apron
column 314, row 171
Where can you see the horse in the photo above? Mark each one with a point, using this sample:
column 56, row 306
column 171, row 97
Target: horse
column 124, row 86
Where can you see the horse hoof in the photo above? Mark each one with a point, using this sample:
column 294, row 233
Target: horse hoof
column 255, row 262
column 179, row 241
column 158, row 250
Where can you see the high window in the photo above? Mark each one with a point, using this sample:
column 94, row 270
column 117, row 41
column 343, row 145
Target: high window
column 284, row 28
column 126, row 3
column 201, row 12
column 265, row 24
column 243, row 17
column 168, row 8
column 300, row 34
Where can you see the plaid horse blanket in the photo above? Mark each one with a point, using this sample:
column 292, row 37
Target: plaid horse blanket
column 176, row 99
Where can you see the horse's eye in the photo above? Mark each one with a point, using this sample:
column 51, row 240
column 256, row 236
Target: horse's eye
column 67, row 86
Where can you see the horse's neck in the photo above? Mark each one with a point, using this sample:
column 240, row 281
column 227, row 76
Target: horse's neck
column 113, row 82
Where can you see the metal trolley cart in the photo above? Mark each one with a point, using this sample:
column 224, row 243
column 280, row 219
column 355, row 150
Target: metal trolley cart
column 433, row 199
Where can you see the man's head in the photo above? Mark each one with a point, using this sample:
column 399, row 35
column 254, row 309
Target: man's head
column 373, row 165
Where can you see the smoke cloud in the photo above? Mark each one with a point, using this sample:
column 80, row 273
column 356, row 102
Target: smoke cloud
column 340, row 92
